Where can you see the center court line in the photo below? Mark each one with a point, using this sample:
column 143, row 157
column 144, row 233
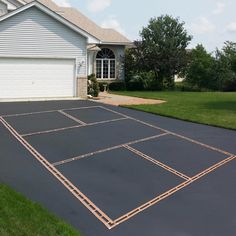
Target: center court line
column 74, row 190
column 172, row 133
column 72, row 117
column 72, row 127
column 146, row 157
column 106, row 149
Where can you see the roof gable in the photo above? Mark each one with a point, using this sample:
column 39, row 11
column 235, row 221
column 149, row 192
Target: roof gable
column 105, row 36
column 90, row 38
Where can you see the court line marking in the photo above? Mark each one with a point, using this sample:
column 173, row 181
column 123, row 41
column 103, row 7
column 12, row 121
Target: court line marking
column 170, row 192
column 74, row 190
column 71, row 117
column 156, row 162
column 106, row 149
column 49, row 111
column 113, row 223
column 72, row 127
column 172, row 133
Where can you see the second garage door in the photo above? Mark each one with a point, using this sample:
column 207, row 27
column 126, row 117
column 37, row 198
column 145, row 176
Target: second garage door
column 37, row 78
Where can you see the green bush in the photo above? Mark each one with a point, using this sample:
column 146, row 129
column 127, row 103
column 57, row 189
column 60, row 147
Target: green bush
column 93, row 86
column 101, row 86
column 229, row 86
column 135, row 86
column 117, row 86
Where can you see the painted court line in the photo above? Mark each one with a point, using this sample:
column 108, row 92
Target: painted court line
column 71, row 117
column 108, row 222
column 172, row 133
column 71, row 127
column 170, row 192
column 74, row 190
column 49, row 111
column 106, row 149
column 146, row 157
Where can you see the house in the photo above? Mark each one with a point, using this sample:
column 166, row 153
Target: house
column 48, row 51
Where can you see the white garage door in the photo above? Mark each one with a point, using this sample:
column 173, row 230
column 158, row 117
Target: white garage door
column 36, row 78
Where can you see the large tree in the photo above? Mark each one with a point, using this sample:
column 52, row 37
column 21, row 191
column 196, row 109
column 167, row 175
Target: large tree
column 163, row 47
column 199, row 71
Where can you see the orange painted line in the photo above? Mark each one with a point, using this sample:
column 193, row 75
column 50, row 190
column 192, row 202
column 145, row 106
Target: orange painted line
column 72, row 117
column 170, row 192
column 214, row 167
column 106, row 149
column 168, row 168
column 172, row 133
column 74, row 190
column 71, row 127
column 104, row 218
column 150, row 203
column 49, row 111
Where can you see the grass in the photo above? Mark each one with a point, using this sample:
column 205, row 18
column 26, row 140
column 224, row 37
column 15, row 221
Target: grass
column 211, row 108
column 19, row 216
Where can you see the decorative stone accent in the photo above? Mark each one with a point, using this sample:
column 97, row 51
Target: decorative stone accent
column 82, row 84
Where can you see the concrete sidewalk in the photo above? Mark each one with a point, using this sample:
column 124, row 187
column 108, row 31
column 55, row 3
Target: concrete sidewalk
column 116, row 100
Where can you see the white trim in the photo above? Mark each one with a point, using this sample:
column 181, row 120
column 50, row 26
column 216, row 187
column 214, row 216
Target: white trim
column 20, row 1
column 37, row 57
column 91, row 38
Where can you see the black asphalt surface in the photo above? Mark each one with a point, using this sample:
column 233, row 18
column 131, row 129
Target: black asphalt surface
column 75, row 142
column 96, row 114
column 119, row 180
column 39, row 122
column 182, row 155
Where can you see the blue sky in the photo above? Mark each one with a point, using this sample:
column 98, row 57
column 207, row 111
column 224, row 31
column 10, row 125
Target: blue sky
column 211, row 22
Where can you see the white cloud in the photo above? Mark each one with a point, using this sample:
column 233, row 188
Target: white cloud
column 112, row 22
column 202, row 26
column 220, row 6
column 98, row 5
column 63, row 3
column 231, row 27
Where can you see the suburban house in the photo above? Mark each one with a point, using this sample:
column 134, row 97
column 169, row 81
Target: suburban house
column 48, row 51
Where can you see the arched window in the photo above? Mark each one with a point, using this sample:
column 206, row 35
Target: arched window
column 106, row 64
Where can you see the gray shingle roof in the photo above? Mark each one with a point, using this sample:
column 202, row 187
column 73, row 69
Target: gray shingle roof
column 84, row 23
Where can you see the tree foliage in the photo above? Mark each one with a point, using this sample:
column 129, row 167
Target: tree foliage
column 215, row 72
column 162, row 49
column 199, row 71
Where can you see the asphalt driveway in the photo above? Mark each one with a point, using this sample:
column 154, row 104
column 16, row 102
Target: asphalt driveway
column 112, row 171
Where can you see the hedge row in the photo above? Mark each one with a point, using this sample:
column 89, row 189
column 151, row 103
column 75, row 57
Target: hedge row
column 121, row 86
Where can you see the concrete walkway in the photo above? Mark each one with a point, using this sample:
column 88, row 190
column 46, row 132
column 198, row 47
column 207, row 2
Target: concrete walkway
column 116, row 100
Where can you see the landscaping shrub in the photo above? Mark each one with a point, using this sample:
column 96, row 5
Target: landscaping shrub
column 101, row 86
column 117, row 86
column 135, row 86
column 186, row 87
column 93, row 86
column 229, row 86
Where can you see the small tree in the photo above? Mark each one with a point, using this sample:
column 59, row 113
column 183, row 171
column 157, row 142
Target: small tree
column 199, row 71
column 163, row 47
column 93, row 86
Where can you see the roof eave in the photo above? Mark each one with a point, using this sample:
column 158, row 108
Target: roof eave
column 117, row 43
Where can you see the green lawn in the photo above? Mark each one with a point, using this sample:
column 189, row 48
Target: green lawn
column 212, row 108
column 21, row 217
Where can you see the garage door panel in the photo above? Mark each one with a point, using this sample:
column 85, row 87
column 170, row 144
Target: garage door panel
column 30, row 78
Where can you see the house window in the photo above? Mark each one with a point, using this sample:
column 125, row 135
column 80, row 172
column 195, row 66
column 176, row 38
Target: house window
column 106, row 64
